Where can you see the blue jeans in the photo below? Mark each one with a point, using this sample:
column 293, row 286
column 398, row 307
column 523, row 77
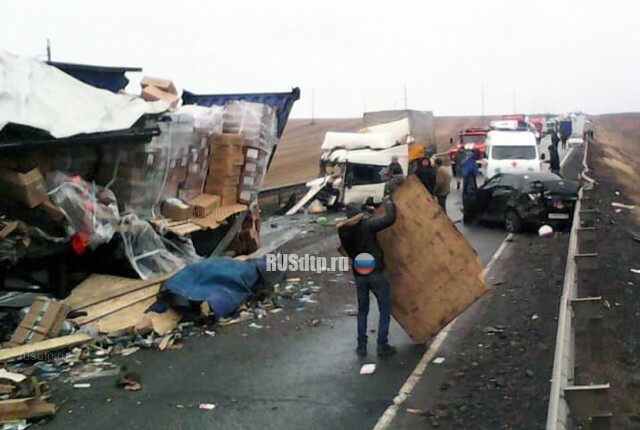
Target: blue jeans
column 378, row 283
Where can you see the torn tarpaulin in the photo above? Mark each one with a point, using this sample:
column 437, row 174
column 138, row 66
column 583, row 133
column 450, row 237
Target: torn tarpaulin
column 224, row 283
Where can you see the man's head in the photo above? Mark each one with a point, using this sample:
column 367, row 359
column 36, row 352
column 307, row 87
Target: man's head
column 394, row 159
column 438, row 162
column 425, row 162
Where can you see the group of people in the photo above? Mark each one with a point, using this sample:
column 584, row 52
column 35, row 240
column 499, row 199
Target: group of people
column 436, row 180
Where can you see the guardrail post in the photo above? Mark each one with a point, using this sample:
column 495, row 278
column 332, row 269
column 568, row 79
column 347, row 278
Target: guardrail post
column 589, row 310
column 587, row 240
column 588, row 401
column 588, row 217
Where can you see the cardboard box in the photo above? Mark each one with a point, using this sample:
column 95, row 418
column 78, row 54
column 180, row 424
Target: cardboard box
column 152, row 94
column 256, row 155
column 52, row 210
column 29, row 188
column 133, row 173
column 204, row 205
column 220, row 190
column 227, row 160
column 224, row 169
column 43, row 321
column 176, row 210
column 452, row 266
column 188, row 195
column 223, row 181
column 246, row 196
column 226, row 139
column 193, row 182
column 163, row 84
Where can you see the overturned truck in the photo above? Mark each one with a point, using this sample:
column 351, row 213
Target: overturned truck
column 93, row 180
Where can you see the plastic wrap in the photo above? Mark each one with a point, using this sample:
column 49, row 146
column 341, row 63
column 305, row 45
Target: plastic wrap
column 91, row 212
column 174, row 164
column 146, row 250
column 258, row 123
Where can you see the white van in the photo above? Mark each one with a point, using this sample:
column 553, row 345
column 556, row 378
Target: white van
column 511, row 152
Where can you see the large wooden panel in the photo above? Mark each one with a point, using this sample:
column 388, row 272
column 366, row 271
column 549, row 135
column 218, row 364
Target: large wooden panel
column 433, row 271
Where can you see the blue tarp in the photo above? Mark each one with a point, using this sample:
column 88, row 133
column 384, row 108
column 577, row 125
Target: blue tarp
column 223, row 282
column 281, row 102
column 107, row 78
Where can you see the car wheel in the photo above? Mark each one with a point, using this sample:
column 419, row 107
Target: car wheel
column 512, row 222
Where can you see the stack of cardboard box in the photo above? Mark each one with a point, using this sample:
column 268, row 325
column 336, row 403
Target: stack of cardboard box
column 257, row 123
column 225, row 166
column 154, row 89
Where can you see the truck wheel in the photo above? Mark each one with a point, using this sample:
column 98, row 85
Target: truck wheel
column 512, row 222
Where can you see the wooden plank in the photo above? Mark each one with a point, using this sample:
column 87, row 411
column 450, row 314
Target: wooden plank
column 219, row 215
column 25, row 408
column 7, row 354
column 434, row 273
column 97, row 289
column 125, row 320
column 116, row 304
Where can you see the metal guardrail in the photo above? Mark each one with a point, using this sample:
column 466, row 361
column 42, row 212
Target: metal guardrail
column 567, row 400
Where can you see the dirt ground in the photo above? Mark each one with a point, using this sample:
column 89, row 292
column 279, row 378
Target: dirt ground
column 299, row 151
column 616, row 357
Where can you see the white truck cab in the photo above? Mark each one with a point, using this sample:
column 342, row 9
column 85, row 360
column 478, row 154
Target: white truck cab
column 510, row 151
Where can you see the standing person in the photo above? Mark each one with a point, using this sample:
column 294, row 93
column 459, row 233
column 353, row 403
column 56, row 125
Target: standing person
column 395, row 176
column 427, row 175
column 357, row 236
column 469, row 173
column 457, row 170
column 443, row 184
column 394, row 168
column 554, row 159
column 554, row 138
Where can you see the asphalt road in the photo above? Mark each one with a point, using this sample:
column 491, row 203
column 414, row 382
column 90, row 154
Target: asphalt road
column 298, row 372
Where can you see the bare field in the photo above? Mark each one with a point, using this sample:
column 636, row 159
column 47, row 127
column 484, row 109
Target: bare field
column 299, row 151
column 619, row 137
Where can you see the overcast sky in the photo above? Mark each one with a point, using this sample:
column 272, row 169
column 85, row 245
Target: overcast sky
column 531, row 56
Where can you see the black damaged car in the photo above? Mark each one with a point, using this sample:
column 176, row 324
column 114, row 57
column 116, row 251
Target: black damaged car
column 522, row 199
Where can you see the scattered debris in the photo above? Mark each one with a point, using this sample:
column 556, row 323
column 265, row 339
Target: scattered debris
column 534, row 317
column 490, row 330
column 256, row 326
column 622, row 205
column 82, row 385
column 206, row 406
column 128, row 351
column 11, row 376
column 545, row 231
column 438, row 360
column 368, row 369
column 636, row 271
column 130, row 382
column 416, row 411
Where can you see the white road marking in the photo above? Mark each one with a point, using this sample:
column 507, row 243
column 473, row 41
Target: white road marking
column 405, row 391
column 566, row 156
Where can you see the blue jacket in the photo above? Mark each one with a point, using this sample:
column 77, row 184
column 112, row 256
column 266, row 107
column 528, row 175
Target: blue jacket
column 469, row 166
